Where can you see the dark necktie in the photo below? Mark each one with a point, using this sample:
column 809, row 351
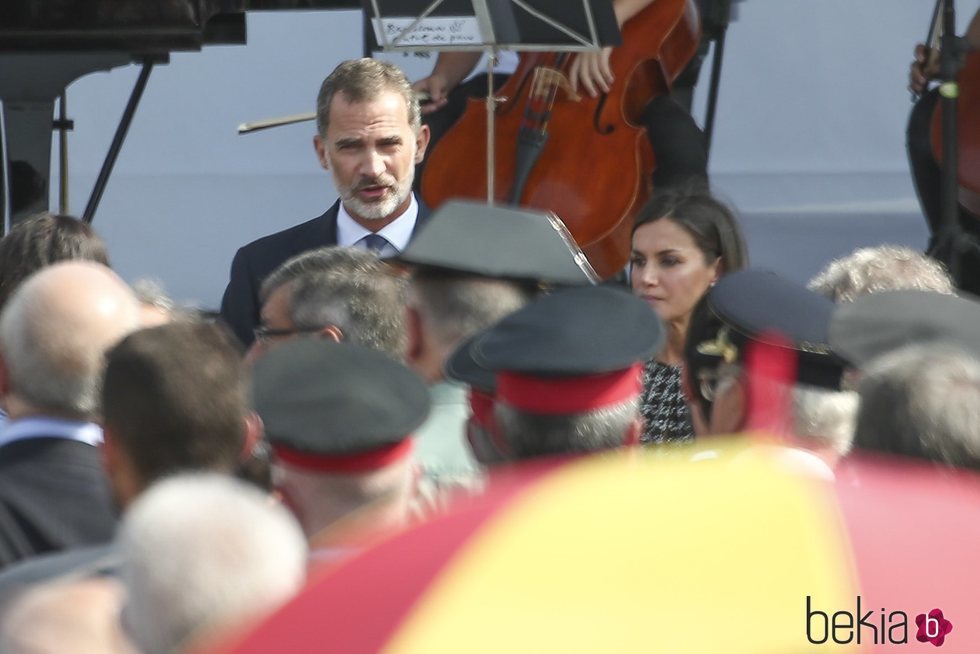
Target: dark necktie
column 375, row 243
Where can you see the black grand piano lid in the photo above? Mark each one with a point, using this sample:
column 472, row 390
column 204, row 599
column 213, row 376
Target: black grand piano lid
column 135, row 25
column 46, row 44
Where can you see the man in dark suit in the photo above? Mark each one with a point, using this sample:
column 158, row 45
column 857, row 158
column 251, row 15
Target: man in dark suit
column 53, row 334
column 370, row 136
column 173, row 399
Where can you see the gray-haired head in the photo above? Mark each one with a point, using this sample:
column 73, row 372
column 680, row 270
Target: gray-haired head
column 366, row 304
column 922, row 401
column 334, row 258
column 205, row 551
column 881, row 268
column 530, row 435
column 821, row 418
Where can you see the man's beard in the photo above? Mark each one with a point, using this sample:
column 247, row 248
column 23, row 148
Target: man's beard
column 395, row 195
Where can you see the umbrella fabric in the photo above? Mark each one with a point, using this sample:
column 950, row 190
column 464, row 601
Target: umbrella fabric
column 613, row 553
column 915, row 533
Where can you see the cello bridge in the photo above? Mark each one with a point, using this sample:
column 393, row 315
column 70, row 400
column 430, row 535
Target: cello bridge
column 547, row 81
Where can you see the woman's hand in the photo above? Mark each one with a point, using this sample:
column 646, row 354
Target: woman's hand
column 590, row 71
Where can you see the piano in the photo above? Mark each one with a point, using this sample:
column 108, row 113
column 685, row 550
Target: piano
column 45, row 46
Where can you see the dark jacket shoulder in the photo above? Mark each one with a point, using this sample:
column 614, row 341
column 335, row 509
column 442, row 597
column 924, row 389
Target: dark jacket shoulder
column 255, row 261
column 53, row 495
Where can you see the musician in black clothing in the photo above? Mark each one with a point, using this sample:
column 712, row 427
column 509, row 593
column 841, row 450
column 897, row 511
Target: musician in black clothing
column 676, row 139
column 926, row 171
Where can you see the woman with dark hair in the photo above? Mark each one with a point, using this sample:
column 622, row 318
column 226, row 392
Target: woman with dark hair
column 683, row 241
column 42, row 240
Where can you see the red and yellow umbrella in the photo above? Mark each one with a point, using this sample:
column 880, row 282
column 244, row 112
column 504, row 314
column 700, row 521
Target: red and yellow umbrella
column 700, row 550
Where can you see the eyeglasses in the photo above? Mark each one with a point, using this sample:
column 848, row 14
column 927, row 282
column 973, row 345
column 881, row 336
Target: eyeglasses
column 263, row 333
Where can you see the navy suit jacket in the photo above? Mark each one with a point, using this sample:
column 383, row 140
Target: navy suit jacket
column 53, row 496
column 252, row 264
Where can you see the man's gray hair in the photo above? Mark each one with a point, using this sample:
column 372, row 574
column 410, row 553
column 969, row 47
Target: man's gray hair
column 334, row 258
column 881, row 268
column 529, row 435
column 364, row 80
column 203, row 551
column 368, row 307
column 455, row 306
column 821, row 417
column 922, row 401
column 825, row 416
column 150, row 292
column 321, row 498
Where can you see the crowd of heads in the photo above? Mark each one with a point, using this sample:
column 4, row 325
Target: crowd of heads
column 324, row 406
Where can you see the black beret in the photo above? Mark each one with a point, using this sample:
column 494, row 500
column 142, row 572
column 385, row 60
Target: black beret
column 878, row 323
column 319, row 397
column 572, row 332
column 499, row 242
column 759, row 306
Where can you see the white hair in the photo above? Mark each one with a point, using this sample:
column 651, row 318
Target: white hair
column 923, row 401
column 821, row 417
column 825, row 415
column 320, row 499
column 881, row 268
column 55, row 331
column 202, row 551
column 150, row 292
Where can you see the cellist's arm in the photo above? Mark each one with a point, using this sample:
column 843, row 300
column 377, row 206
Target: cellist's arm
column 449, row 70
column 925, row 66
column 626, row 9
column 590, row 70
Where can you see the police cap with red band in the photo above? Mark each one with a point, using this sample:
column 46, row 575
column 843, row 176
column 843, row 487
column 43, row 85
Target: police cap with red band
column 335, row 406
column 572, row 351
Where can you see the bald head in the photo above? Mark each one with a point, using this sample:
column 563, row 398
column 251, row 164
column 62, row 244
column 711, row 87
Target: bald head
column 54, row 333
column 66, row 616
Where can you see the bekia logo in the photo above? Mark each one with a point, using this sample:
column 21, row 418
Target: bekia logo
column 880, row 628
column 932, row 627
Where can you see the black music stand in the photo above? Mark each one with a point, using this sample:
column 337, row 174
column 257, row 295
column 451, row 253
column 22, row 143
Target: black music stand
column 952, row 241
column 490, row 26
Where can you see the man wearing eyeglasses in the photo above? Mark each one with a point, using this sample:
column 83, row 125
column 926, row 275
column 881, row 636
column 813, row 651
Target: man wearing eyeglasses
column 341, row 294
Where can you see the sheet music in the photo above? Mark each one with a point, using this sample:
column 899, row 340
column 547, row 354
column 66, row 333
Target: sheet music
column 434, row 31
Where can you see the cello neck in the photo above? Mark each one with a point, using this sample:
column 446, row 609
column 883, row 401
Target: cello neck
column 936, row 26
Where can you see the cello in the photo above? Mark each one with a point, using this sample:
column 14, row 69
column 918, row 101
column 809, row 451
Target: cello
column 967, row 120
column 967, row 134
column 588, row 160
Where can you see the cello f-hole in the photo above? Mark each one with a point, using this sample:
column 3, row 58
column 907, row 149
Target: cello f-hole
column 597, row 117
